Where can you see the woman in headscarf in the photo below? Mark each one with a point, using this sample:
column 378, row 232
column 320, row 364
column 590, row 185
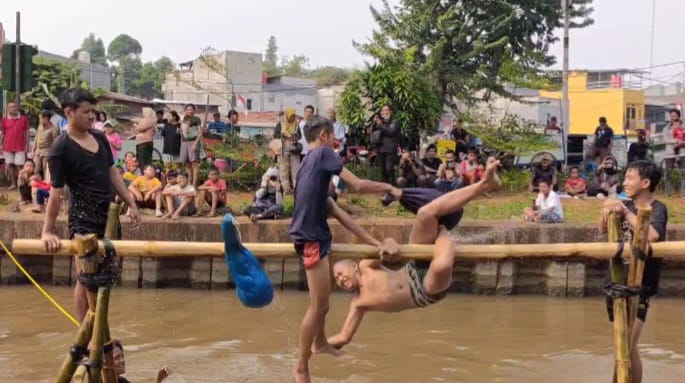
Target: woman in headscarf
column 289, row 159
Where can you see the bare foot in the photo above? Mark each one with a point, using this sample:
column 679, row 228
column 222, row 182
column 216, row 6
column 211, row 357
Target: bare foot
column 491, row 180
column 197, row 214
column 327, row 349
column 211, row 213
column 397, row 193
column 166, row 216
column 301, row 376
column 176, row 217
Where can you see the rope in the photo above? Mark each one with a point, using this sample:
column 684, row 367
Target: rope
column 45, row 293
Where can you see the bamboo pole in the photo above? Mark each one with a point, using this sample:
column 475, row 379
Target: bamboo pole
column 622, row 368
column 99, row 331
column 637, row 265
column 112, row 231
column 163, row 249
column 82, row 338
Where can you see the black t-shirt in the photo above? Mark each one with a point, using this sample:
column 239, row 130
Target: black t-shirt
column 433, row 164
column 172, row 139
column 88, row 177
column 121, row 379
column 637, row 151
column 543, row 174
column 603, row 136
column 659, row 221
column 311, row 192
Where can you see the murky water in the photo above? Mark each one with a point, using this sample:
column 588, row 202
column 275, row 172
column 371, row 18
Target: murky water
column 209, row 337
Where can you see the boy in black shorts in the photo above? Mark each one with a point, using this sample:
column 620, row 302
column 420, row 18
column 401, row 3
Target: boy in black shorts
column 641, row 180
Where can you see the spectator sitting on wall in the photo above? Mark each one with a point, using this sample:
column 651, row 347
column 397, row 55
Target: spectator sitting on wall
column 449, row 177
column 429, row 166
column 41, row 190
column 543, row 170
column 268, row 201
column 27, row 171
column 575, row 184
column 212, row 192
column 601, row 146
column 146, row 190
column 471, row 170
column 180, row 198
column 120, row 365
column 409, row 171
column 547, row 206
column 638, row 150
column 605, row 182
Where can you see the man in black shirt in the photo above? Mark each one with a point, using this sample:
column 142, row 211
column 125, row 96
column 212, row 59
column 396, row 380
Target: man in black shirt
column 82, row 160
column 429, row 165
column 543, row 171
column 638, row 150
column 641, row 179
column 601, row 147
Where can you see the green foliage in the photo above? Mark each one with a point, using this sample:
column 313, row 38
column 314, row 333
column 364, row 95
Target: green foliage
column 271, row 58
column 152, row 76
column 95, row 47
column 295, row 66
column 288, row 205
column 52, row 78
column 465, row 47
column 511, row 135
column 515, row 180
column 128, row 74
column 329, row 75
column 123, row 46
column 417, row 107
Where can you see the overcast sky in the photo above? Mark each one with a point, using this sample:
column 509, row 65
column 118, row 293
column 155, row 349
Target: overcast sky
column 321, row 29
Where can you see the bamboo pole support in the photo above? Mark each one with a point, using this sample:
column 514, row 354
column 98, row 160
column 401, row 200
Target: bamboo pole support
column 622, row 368
column 169, row 249
column 99, row 331
column 637, row 265
column 82, row 338
column 112, row 231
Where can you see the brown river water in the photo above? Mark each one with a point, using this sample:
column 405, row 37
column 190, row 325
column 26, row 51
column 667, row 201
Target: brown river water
column 208, row 336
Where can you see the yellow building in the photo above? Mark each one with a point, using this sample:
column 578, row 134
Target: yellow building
column 614, row 94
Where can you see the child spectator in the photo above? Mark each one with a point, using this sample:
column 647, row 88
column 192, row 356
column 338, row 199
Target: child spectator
column 448, row 174
column 24, row 181
column 180, row 198
column 45, row 136
column 575, row 184
column 547, row 208
column 605, row 182
column 130, row 167
column 213, row 192
column 41, row 190
column 146, row 191
column 678, row 133
column 171, row 132
column 114, row 139
column 409, row 171
column 471, row 170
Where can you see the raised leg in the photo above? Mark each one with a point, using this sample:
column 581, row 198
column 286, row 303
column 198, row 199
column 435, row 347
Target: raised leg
column 439, row 275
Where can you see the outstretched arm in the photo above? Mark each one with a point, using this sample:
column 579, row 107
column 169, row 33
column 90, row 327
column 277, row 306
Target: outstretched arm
column 364, row 186
column 352, row 322
column 350, row 224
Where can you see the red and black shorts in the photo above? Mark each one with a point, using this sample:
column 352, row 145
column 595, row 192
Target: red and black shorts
column 311, row 253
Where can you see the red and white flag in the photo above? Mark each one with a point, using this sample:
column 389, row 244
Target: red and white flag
column 242, row 105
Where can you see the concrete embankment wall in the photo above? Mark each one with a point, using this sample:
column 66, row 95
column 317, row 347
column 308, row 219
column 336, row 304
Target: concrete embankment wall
column 521, row 276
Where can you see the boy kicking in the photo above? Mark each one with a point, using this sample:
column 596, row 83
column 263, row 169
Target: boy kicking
column 418, row 283
column 312, row 236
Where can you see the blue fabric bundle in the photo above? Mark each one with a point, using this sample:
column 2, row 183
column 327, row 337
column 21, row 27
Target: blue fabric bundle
column 253, row 286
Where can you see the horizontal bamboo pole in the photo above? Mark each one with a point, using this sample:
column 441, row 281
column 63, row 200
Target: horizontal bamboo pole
column 163, row 249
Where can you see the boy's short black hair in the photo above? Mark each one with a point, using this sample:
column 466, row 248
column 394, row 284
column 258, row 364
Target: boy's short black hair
column 182, row 173
column 314, row 128
column 431, row 147
column 545, row 180
column 647, row 170
column 150, row 166
column 310, row 107
column 450, row 151
column 189, row 105
column 232, row 112
column 676, row 111
column 213, row 169
column 472, row 150
column 572, row 168
column 46, row 113
column 74, row 97
column 602, row 120
column 171, row 174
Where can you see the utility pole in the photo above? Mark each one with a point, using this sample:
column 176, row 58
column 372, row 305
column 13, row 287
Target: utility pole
column 565, row 4
column 17, row 70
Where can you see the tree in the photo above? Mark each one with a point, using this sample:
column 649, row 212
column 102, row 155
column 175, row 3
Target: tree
column 123, row 46
column 464, row 47
column 52, row 78
column 128, row 74
column 416, row 105
column 95, row 47
column 295, row 66
column 330, row 75
column 271, row 58
column 152, row 76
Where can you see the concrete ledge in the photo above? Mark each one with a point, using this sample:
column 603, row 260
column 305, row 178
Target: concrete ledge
column 525, row 276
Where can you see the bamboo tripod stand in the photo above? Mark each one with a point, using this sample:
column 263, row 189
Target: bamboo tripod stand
column 625, row 304
column 94, row 329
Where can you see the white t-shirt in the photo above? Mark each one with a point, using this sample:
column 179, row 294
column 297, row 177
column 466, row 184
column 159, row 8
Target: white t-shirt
column 303, row 140
column 551, row 202
column 188, row 189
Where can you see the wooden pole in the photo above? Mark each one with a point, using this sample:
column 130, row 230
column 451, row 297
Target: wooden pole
column 112, row 231
column 82, row 338
column 99, row 331
column 621, row 333
column 163, row 249
column 637, row 265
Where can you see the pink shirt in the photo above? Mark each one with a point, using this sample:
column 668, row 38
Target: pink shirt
column 14, row 130
column 114, row 139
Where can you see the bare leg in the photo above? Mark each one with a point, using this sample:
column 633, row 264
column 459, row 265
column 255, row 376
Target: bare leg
column 158, row 204
column 169, row 206
column 213, row 202
column 185, row 202
column 426, row 229
column 201, row 196
column 318, row 279
column 80, row 299
column 196, row 173
column 14, row 174
column 439, row 275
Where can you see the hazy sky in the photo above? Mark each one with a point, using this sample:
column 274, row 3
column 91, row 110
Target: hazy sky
column 321, row 29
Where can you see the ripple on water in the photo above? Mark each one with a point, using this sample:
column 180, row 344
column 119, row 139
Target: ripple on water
column 226, row 344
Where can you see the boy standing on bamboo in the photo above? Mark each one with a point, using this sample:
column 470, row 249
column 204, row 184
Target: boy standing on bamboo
column 312, row 236
column 641, row 180
column 82, row 159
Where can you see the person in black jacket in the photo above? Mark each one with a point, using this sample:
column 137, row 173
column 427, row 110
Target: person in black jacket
column 638, row 150
column 387, row 150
